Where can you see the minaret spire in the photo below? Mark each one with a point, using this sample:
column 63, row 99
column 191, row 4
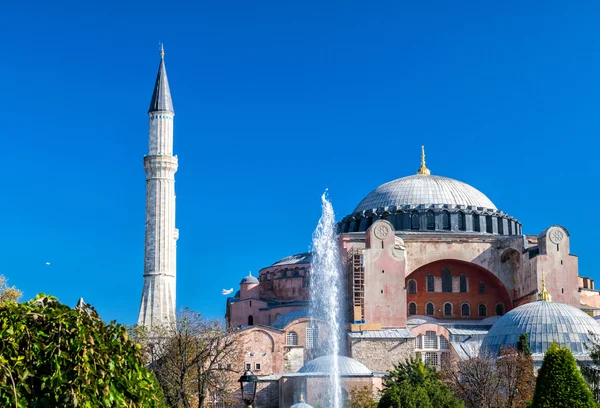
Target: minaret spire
column 158, row 305
column 423, row 170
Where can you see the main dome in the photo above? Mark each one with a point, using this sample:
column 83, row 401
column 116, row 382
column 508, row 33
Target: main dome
column 423, row 189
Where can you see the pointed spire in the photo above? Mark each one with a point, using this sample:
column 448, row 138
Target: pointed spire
column 423, row 170
column 301, row 398
column 161, row 97
column 544, row 294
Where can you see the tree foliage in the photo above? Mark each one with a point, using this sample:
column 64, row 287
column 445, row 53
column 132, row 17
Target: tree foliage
column 195, row 360
column 8, row 292
column 362, row 397
column 523, row 345
column 591, row 370
column 55, row 356
column 415, row 385
column 559, row 383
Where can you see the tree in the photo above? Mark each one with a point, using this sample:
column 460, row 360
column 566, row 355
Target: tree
column 52, row 355
column 362, row 398
column 523, row 345
column 591, row 370
column 193, row 359
column 8, row 292
column 559, row 383
column 415, row 385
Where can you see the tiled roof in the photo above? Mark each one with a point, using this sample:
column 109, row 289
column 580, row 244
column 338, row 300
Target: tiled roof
column 383, row 334
column 295, row 259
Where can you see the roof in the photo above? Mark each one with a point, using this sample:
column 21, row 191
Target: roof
column 249, row 279
column 295, row 259
column 347, row 366
column 161, row 97
column 284, row 320
column 545, row 322
column 424, row 190
column 466, row 349
column 382, row 334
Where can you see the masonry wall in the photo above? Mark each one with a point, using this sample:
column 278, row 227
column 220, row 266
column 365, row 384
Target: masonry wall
column 381, row 355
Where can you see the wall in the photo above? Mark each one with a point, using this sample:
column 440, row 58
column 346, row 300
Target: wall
column 262, row 345
column 381, row 355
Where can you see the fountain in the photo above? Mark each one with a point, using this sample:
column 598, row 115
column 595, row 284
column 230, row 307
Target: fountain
column 325, row 291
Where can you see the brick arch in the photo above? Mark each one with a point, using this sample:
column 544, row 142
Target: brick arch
column 495, row 291
column 269, row 337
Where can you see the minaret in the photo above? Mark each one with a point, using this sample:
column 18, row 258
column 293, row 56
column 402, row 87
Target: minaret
column 158, row 295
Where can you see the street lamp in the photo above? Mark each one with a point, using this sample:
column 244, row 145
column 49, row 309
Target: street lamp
column 248, row 383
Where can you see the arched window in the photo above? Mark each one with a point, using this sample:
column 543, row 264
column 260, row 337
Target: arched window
column 398, row 222
column 430, row 285
column 500, row 309
column 291, row 338
column 481, row 287
column 312, row 336
column 446, row 220
column 429, row 309
column 447, row 309
column 500, row 226
column 446, row 280
column 412, row 287
column 465, row 309
column 430, row 220
column 461, row 221
column 488, row 224
column 414, row 221
column 476, row 226
column 482, row 311
column 430, row 340
column 463, row 283
column 250, row 320
column 412, row 308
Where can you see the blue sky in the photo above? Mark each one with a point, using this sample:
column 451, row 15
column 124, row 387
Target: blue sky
column 275, row 102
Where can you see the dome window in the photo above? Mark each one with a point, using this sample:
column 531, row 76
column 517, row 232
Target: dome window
column 412, row 287
column 448, row 309
column 500, row 226
column 488, row 224
column 445, row 220
column 465, row 310
column 476, row 224
column 414, row 221
column 430, row 284
column 430, row 220
column 482, row 311
column 429, row 309
column 461, row 221
column 412, row 309
column 446, row 280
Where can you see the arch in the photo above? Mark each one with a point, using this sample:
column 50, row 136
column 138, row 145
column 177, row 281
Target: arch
column 465, row 310
column 412, row 287
column 500, row 309
column 446, row 280
column 415, row 223
column 250, row 320
column 462, row 225
column 430, row 283
column 430, row 220
column 268, row 336
column 429, row 309
column 463, row 283
column 476, row 223
column 291, row 338
column 412, row 309
column 482, row 310
column 447, row 309
column 445, row 220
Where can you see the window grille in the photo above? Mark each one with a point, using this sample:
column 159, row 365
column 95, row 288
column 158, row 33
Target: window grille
column 444, row 343
column 291, row 339
column 430, row 341
column 312, row 337
column 431, row 358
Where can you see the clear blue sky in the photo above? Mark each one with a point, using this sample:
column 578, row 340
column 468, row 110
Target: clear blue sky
column 276, row 101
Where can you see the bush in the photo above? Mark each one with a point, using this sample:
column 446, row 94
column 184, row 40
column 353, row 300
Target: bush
column 55, row 356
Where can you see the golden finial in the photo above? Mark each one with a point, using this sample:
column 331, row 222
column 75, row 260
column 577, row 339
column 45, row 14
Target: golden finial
column 301, row 397
column 423, row 170
column 162, row 50
column 544, row 294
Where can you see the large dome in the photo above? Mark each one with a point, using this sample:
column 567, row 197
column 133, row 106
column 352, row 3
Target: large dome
column 545, row 322
column 423, row 189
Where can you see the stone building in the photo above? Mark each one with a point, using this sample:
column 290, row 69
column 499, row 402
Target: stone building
column 431, row 264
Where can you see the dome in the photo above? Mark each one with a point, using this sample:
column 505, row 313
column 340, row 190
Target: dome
column 301, row 404
column 249, row 279
column 545, row 322
column 348, row 366
column 424, row 189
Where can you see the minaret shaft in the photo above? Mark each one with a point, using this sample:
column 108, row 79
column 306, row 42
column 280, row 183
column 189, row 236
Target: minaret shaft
column 158, row 305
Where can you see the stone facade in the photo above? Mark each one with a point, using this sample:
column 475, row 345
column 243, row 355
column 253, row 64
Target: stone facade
column 381, row 355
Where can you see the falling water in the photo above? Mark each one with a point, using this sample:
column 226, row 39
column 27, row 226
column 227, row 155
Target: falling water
column 325, row 291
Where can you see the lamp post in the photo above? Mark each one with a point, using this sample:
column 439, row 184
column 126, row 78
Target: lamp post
column 248, row 383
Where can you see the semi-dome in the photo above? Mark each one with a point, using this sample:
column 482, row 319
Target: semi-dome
column 348, row 366
column 423, row 189
column 545, row 322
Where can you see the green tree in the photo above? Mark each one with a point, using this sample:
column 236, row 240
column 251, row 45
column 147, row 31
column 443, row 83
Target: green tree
column 55, row 356
column 362, row 398
column 559, row 383
column 415, row 385
column 523, row 345
column 591, row 370
column 8, row 292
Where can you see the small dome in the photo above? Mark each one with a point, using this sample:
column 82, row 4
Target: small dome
column 301, row 404
column 424, row 190
column 249, row 279
column 545, row 322
column 348, row 366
